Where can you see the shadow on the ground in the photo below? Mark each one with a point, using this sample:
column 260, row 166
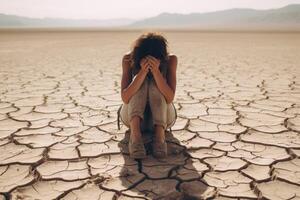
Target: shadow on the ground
column 176, row 177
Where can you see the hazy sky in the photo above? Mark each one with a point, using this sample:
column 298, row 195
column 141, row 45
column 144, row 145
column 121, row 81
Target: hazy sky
column 136, row 9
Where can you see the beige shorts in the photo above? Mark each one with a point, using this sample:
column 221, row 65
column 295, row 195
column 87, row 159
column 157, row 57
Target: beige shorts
column 150, row 105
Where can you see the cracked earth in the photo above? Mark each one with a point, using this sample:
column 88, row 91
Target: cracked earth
column 236, row 135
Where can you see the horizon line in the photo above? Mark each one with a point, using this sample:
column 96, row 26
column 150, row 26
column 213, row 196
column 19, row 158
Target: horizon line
column 128, row 18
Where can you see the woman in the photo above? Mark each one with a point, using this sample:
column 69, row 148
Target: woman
column 148, row 80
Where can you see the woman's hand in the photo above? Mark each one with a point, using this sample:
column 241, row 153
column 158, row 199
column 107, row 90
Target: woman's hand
column 154, row 64
column 145, row 67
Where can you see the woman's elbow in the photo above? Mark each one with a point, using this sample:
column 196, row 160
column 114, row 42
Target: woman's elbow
column 169, row 100
column 124, row 98
column 125, row 101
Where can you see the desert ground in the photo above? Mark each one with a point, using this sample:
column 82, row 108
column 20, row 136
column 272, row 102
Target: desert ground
column 236, row 135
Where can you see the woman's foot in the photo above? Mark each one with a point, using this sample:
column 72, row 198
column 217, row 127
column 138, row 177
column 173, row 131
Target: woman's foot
column 159, row 144
column 136, row 144
column 136, row 149
column 160, row 149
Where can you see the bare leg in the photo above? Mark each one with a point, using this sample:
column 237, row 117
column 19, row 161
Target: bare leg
column 159, row 133
column 136, row 146
column 135, row 133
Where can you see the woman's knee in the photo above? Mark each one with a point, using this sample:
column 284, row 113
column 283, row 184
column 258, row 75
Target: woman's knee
column 156, row 98
column 137, row 102
column 140, row 95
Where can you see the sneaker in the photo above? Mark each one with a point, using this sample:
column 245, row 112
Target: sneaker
column 136, row 149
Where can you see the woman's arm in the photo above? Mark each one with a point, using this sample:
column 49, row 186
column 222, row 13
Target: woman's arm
column 130, row 87
column 167, row 88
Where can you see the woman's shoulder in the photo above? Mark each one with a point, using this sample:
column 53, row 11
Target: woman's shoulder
column 127, row 59
column 172, row 59
column 127, row 56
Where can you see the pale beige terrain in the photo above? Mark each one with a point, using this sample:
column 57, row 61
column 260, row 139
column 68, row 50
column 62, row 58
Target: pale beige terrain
column 236, row 135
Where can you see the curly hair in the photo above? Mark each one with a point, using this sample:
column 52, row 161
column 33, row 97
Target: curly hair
column 149, row 43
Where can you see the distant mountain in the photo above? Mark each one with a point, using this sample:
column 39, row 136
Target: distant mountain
column 287, row 17
column 18, row 21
